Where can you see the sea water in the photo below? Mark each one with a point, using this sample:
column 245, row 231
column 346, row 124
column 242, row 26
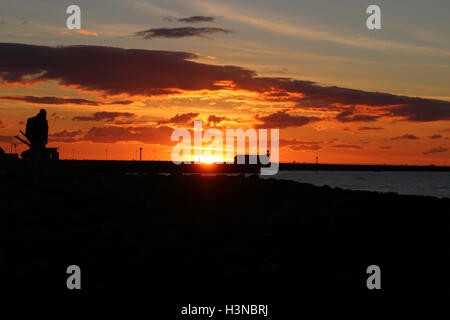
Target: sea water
column 436, row 184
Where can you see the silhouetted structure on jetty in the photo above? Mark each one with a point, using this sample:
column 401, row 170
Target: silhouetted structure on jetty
column 9, row 156
column 252, row 159
column 52, row 153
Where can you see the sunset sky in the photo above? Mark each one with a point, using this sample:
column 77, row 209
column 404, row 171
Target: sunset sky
column 139, row 69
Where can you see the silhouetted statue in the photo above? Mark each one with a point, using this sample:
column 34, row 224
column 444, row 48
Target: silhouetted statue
column 37, row 133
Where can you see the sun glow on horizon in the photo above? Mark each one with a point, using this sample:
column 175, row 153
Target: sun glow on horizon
column 211, row 159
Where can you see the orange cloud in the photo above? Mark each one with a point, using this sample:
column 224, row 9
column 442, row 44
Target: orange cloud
column 83, row 32
column 87, row 33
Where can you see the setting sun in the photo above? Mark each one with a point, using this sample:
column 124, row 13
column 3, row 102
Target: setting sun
column 210, row 159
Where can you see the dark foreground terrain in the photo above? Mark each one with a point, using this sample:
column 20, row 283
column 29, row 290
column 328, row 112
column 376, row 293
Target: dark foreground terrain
column 212, row 238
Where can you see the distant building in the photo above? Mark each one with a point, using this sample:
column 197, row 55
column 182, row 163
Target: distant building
column 52, row 154
column 4, row 155
column 253, row 159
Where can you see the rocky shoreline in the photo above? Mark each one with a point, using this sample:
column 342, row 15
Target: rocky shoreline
column 175, row 236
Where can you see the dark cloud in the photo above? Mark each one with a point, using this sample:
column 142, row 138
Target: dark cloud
column 435, row 150
column 104, row 116
column 147, row 134
column 113, row 70
column 418, row 109
column 408, row 108
column 134, row 72
column 282, row 119
column 65, row 136
column 435, row 136
column 349, row 116
column 214, row 120
column 49, row 100
column 180, row 118
column 2, row 123
column 195, row 19
column 122, row 102
column 406, row 137
column 59, row 100
column 297, row 145
column 347, row 146
column 370, row 128
column 179, row 32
